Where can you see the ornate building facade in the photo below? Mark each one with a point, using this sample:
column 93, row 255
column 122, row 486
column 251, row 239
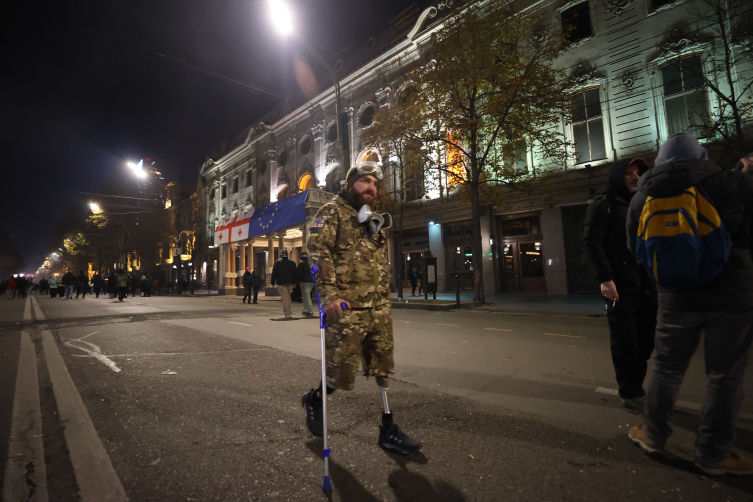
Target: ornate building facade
column 630, row 65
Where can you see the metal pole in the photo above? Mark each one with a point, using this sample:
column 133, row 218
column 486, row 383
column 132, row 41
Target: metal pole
column 457, row 289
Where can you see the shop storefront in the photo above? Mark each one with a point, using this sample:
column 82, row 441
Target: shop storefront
column 458, row 238
column 521, row 253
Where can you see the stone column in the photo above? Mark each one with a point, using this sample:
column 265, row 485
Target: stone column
column 219, row 279
column 270, row 253
column 243, row 259
column 250, row 259
column 303, row 238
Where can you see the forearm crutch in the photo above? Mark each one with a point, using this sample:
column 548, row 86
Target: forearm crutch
column 327, row 486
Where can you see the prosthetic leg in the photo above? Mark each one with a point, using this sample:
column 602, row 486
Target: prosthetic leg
column 390, row 435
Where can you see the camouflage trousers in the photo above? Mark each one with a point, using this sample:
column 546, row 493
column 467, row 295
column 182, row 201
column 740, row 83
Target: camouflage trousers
column 364, row 335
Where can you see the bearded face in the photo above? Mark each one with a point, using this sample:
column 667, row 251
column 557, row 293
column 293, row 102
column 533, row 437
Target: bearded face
column 363, row 192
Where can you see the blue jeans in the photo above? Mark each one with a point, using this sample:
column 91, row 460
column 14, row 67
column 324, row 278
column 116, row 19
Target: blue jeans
column 68, row 290
column 727, row 341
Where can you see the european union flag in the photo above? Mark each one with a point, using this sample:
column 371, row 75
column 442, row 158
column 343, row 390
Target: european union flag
column 278, row 215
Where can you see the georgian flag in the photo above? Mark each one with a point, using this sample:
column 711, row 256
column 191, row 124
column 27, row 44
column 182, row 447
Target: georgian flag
column 233, row 230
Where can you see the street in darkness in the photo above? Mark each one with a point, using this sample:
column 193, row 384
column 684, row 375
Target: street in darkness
column 199, row 399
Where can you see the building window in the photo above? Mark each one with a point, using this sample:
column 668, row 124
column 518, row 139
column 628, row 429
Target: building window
column 655, row 4
column 212, row 194
column 249, row 178
column 224, row 191
column 588, row 126
column 305, row 145
column 283, row 158
column 577, row 19
column 235, row 184
column 332, row 133
column 367, row 116
column 686, row 104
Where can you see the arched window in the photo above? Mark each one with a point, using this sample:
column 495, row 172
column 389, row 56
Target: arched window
column 306, row 182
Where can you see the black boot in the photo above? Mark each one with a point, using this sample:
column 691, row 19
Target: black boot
column 392, row 438
column 312, row 403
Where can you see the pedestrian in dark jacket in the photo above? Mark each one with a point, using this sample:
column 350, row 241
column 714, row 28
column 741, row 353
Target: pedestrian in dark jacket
column 306, row 283
column 629, row 292
column 112, row 287
column 255, row 283
column 97, row 281
column 721, row 309
column 148, row 285
column 134, row 284
column 413, row 278
column 82, row 284
column 248, row 283
column 284, row 276
column 69, row 281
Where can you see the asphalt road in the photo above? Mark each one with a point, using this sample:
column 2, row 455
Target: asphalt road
column 199, row 399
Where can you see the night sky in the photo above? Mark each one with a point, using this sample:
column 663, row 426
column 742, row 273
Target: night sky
column 82, row 91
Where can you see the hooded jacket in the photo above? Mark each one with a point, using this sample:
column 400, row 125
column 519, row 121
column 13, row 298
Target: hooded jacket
column 284, row 273
column 731, row 193
column 304, row 270
column 248, row 281
column 604, row 239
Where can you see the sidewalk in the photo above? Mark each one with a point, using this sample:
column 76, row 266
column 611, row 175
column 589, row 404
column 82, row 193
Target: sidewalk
column 527, row 302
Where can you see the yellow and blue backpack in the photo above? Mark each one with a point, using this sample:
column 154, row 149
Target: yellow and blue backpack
column 681, row 240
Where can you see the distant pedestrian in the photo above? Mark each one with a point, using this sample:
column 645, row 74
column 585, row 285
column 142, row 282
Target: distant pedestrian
column 112, row 287
column 53, row 285
column 10, row 287
column 413, row 278
column 255, row 284
column 97, row 281
column 69, row 281
column 83, row 284
column 629, row 293
column 122, row 282
column 134, row 284
column 284, row 276
column 306, row 283
column 717, row 303
column 248, row 284
column 148, row 285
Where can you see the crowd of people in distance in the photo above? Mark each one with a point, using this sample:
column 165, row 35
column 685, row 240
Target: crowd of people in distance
column 115, row 284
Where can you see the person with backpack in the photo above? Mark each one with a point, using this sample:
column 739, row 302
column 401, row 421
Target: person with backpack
column 628, row 291
column 689, row 224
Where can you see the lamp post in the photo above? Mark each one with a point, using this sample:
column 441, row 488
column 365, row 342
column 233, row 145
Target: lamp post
column 281, row 18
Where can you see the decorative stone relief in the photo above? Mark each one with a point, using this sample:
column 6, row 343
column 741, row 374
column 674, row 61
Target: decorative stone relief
column 617, row 6
column 628, row 82
column 582, row 75
column 332, row 158
column 272, row 155
column 675, row 47
column 383, row 96
column 317, row 130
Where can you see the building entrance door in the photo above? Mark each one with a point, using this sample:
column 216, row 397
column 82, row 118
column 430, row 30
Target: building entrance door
column 521, row 260
column 510, row 268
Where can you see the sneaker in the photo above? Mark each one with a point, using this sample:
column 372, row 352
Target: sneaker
column 735, row 464
column 392, row 438
column 314, row 418
column 635, row 404
column 640, row 438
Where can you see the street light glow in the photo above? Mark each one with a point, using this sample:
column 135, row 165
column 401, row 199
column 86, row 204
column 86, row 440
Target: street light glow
column 280, row 16
column 95, row 208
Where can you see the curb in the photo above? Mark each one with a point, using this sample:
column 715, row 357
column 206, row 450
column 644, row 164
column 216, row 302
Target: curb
column 436, row 307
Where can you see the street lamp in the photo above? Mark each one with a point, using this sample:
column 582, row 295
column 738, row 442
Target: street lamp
column 95, row 208
column 282, row 20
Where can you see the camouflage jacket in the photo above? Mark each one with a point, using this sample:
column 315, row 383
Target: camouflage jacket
column 353, row 266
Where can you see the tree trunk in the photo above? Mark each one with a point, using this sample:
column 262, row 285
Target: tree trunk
column 477, row 258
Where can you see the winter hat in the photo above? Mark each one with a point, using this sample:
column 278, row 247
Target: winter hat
column 680, row 146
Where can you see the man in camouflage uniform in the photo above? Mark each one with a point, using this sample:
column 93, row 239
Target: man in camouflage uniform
column 353, row 265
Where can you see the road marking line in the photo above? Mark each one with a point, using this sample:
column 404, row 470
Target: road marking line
column 442, row 324
column 87, row 336
column 683, row 404
column 181, row 353
column 37, row 310
column 567, row 336
column 26, row 444
column 96, row 353
column 241, row 323
column 498, row 329
column 95, row 475
column 27, row 309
